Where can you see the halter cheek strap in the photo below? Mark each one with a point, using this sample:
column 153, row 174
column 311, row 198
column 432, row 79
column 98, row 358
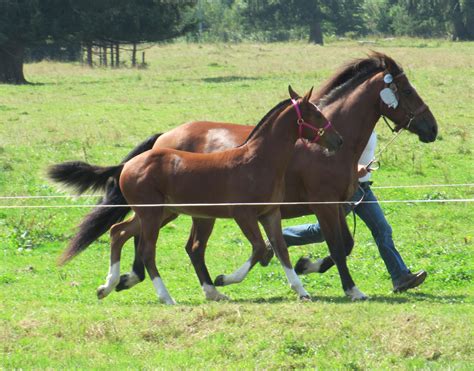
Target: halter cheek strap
column 410, row 115
column 301, row 123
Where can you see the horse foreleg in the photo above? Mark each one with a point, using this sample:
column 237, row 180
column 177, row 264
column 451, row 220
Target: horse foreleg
column 119, row 234
column 306, row 266
column 248, row 224
column 337, row 234
column 272, row 225
column 137, row 274
column 196, row 248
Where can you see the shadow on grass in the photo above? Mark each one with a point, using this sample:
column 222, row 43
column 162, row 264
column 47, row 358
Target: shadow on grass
column 387, row 299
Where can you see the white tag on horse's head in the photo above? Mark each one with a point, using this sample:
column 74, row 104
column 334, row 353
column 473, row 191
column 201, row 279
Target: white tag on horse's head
column 388, row 97
column 388, row 78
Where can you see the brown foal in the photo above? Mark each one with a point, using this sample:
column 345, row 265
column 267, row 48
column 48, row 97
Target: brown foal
column 251, row 173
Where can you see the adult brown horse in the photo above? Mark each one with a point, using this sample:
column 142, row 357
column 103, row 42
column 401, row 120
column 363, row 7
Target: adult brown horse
column 251, row 173
column 351, row 99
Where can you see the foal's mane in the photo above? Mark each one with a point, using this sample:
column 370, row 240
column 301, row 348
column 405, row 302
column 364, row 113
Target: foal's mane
column 269, row 115
column 354, row 73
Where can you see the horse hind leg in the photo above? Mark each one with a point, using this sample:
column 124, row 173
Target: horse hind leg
column 137, row 274
column 150, row 223
column 119, row 234
column 249, row 226
column 196, row 248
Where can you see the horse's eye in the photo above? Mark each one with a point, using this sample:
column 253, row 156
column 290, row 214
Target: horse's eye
column 407, row 91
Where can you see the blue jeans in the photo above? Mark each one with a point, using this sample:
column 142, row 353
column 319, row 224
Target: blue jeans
column 373, row 217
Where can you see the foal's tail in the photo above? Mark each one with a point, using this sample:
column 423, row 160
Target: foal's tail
column 83, row 176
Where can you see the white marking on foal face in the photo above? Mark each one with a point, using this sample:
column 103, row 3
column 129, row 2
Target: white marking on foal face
column 219, row 139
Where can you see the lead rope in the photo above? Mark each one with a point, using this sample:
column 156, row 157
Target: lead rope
column 353, row 206
column 375, row 160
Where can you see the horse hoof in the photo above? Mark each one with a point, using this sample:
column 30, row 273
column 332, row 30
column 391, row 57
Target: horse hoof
column 305, row 298
column 101, row 292
column 167, row 301
column 219, row 281
column 267, row 258
column 123, row 282
column 217, row 297
column 302, row 265
column 356, row 295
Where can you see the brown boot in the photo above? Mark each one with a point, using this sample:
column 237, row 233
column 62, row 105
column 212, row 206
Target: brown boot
column 409, row 281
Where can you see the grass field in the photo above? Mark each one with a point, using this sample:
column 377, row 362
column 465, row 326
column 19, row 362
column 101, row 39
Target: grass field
column 50, row 317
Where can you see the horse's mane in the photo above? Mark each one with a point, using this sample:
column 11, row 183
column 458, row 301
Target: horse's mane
column 346, row 78
column 270, row 114
column 355, row 72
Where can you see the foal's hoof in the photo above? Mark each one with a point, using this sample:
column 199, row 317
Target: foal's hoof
column 305, row 298
column 267, row 257
column 302, row 265
column 355, row 294
column 123, row 282
column 217, row 297
column 101, row 292
column 219, row 281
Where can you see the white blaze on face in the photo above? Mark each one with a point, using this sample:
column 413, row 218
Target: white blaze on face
column 219, row 139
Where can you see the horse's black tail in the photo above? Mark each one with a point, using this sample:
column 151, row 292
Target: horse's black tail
column 99, row 220
column 83, row 176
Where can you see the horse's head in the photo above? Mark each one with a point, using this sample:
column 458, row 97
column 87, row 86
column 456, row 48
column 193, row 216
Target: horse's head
column 401, row 103
column 312, row 124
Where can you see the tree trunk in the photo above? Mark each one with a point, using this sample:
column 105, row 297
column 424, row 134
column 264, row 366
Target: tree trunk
column 315, row 32
column 460, row 31
column 112, row 55
column 104, row 54
column 11, row 63
column 117, row 55
column 89, row 54
column 134, row 55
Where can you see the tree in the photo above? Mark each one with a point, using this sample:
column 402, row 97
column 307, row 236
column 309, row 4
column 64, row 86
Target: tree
column 25, row 23
column 273, row 15
column 462, row 18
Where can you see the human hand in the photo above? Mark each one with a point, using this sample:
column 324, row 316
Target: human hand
column 362, row 170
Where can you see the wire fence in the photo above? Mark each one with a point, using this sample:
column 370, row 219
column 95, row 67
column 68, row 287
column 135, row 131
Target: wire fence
column 227, row 204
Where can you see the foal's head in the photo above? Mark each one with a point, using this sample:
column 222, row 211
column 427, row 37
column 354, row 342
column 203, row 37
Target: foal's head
column 401, row 103
column 312, row 124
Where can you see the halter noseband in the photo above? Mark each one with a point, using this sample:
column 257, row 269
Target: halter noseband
column 300, row 121
column 410, row 115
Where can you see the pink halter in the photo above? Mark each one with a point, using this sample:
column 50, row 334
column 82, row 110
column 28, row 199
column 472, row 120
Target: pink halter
column 319, row 131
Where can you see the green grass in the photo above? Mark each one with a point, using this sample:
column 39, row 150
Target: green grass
column 50, row 317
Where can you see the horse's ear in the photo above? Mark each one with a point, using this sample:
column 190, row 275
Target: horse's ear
column 293, row 95
column 307, row 97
